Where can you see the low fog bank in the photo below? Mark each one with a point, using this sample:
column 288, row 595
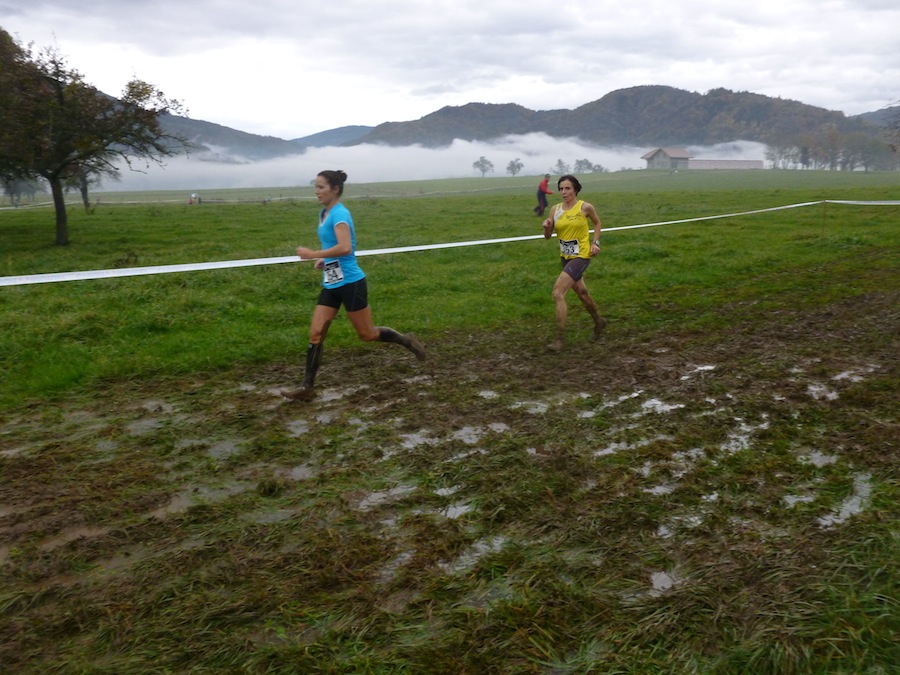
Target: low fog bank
column 538, row 154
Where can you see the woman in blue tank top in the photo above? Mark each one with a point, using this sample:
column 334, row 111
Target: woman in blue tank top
column 343, row 283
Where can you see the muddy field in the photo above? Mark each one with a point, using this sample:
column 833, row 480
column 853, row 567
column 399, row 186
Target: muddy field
column 204, row 522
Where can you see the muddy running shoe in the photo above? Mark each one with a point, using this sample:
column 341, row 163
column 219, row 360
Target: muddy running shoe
column 299, row 394
column 557, row 345
column 599, row 327
column 412, row 344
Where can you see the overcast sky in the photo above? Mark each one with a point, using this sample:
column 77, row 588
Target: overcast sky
column 289, row 69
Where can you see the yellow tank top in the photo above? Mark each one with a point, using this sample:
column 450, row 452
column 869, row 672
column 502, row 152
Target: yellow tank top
column 573, row 232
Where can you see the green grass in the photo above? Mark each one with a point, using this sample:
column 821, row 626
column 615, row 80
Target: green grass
column 498, row 509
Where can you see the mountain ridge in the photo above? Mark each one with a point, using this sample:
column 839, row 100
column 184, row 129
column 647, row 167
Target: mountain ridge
column 646, row 115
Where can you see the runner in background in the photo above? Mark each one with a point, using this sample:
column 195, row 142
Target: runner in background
column 542, row 192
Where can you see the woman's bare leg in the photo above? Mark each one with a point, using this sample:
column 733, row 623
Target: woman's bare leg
column 563, row 283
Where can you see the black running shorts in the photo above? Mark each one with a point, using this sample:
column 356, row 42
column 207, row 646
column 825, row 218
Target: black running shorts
column 353, row 297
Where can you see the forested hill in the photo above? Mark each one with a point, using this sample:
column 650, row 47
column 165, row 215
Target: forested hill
column 647, row 116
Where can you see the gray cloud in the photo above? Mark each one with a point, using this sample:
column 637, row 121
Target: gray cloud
column 278, row 68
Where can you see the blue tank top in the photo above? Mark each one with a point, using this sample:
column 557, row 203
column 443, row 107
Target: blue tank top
column 344, row 270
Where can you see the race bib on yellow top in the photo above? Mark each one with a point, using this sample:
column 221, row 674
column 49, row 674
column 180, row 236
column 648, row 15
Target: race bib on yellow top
column 568, row 247
column 332, row 272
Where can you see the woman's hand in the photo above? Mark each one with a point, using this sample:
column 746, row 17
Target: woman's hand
column 548, row 228
column 305, row 253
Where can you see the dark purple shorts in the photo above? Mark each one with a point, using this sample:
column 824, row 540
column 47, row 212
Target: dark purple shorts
column 575, row 267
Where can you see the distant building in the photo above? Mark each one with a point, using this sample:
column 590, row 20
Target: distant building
column 667, row 158
column 678, row 158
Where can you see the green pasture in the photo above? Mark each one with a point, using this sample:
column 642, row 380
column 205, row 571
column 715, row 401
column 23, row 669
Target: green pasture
column 711, row 487
column 56, row 336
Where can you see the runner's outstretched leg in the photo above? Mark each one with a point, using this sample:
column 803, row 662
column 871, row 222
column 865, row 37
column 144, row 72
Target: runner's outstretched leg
column 408, row 340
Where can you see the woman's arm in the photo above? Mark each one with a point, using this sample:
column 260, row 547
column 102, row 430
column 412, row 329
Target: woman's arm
column 591, row 213
column 343, row 247
column 548, row 222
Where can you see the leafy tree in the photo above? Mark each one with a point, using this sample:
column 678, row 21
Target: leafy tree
column 58, row 127
column 583, row 166
column 892, row 133
column 483, row 165
column 561, row 168
column 83, row 180
column 17, row 188
column 514, row 167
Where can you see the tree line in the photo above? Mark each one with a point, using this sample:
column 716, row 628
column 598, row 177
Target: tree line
column 515, row 166
column 834, row 150
column 58, row 128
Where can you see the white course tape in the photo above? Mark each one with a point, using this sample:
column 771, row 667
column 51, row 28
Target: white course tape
column 55, row 277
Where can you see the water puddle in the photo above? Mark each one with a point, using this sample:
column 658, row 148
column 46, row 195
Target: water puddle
column 471, row 435
column 226, row 448
column 418, row 438
column 654, row 405
column 158, row 406
column 124, row 558
column 854, row 375
column 821, row 392
column 143, row 427
column 697, row 370
column 459, row 456
column 374, row 499
column 181, row 502
column 298, row 427
column 532, row 407
column 270, row 516
column 617, row 446
column 417, row 379
column 854, row 504
column 662, row 582
column 470, row 558
column 792, row 500
column 328, row 395
column 622, row 399
column 389, row 571
column 454, row 511
column 741, row 439
column 71, row 534
column 16, row 452
column 819, row 459
column 299, row 472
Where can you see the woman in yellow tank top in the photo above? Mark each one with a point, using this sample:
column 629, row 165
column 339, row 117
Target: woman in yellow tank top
column 571, row 220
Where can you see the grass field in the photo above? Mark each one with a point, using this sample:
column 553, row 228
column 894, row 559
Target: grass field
column 710, row 488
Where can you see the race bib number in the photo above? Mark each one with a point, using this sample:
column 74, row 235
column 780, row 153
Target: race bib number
column 332, row 272
column 568, row 247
